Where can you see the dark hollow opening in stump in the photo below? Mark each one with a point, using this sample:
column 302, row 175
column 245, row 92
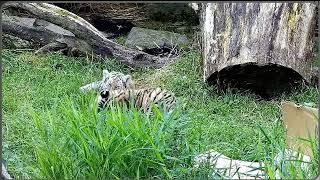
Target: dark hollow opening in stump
column 161, row 51
column 267, row 81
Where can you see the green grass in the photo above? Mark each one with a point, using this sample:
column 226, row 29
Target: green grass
column 316, row 60
column 47, row 122
column 121, row 40
column 290, row 168
column 38, row 82
column 77, row 142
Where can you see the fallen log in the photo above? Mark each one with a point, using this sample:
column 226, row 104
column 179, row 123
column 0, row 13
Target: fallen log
column 14, row 42
column 88, row 33
column 263, row 47
column 43, row 33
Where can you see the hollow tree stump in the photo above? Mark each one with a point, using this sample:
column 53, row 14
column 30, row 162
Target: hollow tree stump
column 264, row 47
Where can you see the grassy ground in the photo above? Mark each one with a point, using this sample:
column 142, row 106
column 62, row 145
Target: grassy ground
column 37, row 91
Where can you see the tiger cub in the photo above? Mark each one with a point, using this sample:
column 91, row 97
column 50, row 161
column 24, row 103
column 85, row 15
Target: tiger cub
column 142, row 98
column 110, row 81
column 115, row 81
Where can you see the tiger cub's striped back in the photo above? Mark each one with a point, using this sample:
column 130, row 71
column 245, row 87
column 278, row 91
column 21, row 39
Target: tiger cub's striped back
column 142, row 98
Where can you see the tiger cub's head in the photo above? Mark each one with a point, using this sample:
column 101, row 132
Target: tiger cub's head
column 112, row 83
column 116, row 81
column 103, row 99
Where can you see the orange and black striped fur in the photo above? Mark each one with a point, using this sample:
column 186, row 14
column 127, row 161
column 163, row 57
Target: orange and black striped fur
column 142, row 98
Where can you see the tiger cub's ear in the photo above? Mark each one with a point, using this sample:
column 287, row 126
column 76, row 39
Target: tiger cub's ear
column 105, row 74
column 104, row 94
column 127, row 81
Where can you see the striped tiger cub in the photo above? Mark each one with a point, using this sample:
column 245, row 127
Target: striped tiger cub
column 142, row 98
column 110, row 81
column 116, row 81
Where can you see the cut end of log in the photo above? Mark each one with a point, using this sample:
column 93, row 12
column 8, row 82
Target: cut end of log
column 267, row 81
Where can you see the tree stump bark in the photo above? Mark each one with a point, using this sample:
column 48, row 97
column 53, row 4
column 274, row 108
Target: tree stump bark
column 264, row 47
